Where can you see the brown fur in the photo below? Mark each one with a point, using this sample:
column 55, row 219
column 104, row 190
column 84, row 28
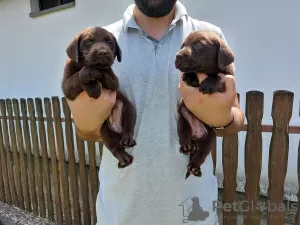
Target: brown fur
column 201, row 52
column 91, row 54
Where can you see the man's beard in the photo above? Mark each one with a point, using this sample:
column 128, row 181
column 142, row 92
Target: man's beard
column 152, row 9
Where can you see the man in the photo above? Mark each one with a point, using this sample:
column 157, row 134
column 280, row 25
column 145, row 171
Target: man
column 153, row 190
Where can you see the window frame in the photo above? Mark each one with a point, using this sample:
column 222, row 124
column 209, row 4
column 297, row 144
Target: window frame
column 35, row 8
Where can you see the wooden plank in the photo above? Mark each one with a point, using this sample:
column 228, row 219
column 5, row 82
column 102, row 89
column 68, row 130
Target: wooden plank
column 93, row 177
column 265, row 127
column 3, row 174
column 23, row 168
column 278, row 154
column 32, row 183
column 46, row 172
column 16, row 161
column 72, row 163
column 62, row 161
column 83, row 182
column 37, row 162
column 7, row 148
column 253, row 155
column 54, row 169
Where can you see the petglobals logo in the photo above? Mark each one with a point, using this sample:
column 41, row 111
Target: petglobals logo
column 192, row 211
column 249, row 206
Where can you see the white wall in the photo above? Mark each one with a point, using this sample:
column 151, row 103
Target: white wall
column 263, row 34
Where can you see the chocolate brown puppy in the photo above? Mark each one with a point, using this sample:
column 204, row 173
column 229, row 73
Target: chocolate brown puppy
column 91, row 54
column 201, row 52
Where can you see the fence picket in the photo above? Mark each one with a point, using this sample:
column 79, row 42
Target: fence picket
column 43, row 144
column 83, row 181
column 7, row 148
column 32, row 182
column 54, row 167
column 93, row 177
column 4, row 189
column 24, row 171
column 278, row 153
column 37, row 163
column 72, row 163
column 16, row 161
column 62, row 161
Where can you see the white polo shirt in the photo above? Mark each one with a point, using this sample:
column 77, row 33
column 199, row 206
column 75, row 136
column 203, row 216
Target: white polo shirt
column 153, row 190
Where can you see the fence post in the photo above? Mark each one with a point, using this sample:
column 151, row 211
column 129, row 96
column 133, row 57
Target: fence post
column 278, row 153
column 230, row 163
column 253, row 154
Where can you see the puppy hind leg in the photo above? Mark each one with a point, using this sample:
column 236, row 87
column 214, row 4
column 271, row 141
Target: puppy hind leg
column 204, row 147
column 111, row 141
column 128, row 122
column 185, row 134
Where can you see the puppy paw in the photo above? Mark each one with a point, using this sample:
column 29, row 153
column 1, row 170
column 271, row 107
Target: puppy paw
column 196, row 171
column 211, row 85
column 87, row 74
column 127, row 142
column 188, row 149
column 125, row 159
column 93, row 89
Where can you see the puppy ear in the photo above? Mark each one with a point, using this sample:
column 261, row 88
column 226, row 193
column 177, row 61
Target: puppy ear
column 225, row 55
column 73, row 49
column 118, row 51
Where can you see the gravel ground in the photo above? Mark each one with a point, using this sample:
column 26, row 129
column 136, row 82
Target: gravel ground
column 10, row 215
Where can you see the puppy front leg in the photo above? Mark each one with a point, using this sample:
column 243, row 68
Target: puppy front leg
column 128, row 121
column 212, row 84
column 71, row 86
column 89, row 78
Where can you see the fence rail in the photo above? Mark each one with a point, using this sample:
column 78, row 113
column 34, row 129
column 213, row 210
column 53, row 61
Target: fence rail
column 37, row 176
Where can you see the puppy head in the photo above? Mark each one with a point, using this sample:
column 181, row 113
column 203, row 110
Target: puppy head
column 94, row 45
column 203, row 52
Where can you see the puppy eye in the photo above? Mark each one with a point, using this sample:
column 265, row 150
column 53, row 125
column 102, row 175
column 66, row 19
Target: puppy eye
column 110, row 43
column 199, row 46
column 88, row 42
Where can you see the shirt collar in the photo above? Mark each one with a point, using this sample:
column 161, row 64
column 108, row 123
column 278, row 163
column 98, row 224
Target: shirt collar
column 129, row 21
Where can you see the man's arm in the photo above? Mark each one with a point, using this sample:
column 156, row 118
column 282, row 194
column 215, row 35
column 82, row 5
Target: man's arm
column 237, row 124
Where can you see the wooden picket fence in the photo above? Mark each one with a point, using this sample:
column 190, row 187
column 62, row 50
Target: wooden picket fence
column 37, row 176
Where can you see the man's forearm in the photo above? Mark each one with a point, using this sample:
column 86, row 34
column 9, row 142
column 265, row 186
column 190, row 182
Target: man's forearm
column 236, row 126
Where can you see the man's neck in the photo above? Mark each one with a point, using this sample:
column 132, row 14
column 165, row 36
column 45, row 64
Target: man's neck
column 154, row 27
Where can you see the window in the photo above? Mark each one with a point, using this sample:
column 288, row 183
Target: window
column 47, row 4
column 39, row 7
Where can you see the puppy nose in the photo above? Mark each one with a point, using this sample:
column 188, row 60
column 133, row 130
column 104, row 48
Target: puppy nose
column 103, row 52
column 179, row 56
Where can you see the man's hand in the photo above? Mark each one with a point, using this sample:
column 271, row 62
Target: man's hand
column 215, row 109
column 89, row 113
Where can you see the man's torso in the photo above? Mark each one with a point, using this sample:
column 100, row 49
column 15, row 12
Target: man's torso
column 153, row 190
